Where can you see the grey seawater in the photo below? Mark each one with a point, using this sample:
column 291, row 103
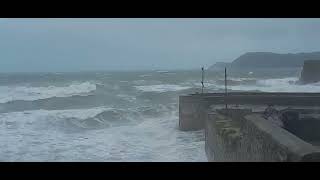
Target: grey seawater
column 112, row 116
column 95, row 116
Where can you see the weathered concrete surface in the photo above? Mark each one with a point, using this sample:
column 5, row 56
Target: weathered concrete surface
column 218, row 126
column 193, row 108
column 246, row 136
column 243, row 133
column 192, row 113
column 296, row 100
column 310, row 72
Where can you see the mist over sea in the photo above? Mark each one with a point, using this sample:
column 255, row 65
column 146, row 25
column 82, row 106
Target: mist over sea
column 114, row 116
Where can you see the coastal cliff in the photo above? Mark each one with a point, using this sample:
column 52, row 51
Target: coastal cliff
column 267, row 60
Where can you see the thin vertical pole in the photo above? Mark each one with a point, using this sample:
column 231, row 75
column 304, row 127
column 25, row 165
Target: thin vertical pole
column 202, row 79
column 225, row 85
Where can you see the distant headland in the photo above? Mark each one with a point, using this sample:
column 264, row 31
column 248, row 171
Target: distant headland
column 267, row 60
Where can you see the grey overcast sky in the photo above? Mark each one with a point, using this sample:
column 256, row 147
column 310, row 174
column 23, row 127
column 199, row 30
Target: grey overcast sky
column 31, row 45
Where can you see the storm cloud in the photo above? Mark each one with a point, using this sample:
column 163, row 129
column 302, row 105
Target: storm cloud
column 33, row 45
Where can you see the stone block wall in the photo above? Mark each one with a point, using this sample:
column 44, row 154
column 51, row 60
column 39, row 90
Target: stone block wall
column 245, row 136
column 192, row 113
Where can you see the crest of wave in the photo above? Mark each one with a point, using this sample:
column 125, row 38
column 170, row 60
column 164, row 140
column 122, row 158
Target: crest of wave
column 279, row 85
column 29, row 93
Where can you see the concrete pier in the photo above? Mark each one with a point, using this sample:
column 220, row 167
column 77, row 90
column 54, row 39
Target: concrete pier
column 193, row 108
column 243, row 133
column 192, row 112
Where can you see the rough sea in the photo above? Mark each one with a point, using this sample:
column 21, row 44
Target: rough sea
column 113, row 116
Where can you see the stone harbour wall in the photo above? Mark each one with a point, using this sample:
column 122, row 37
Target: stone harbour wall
column 192, row 113
column 245, row 136
column 193, row 109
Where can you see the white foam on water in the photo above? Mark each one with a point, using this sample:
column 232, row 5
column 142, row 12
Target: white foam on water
column 161, row 88
column 27, row 135
column 238, row 79
column 210, row 84
column 166, row 143
column 162, row 71
column 36, row 115
column 154, row 139
column 127, row 97
column 278, row 85
column 145, row 75
column 12, row 93
column 143, row 82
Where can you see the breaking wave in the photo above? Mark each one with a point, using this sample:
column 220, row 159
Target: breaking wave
column 278, row 85
column 66, row 120
column 102, row 137
column 13, row 93
column 161, row 88
column 80, row 119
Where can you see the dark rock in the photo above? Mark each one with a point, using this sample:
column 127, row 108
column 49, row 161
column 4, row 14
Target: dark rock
column 310, row 72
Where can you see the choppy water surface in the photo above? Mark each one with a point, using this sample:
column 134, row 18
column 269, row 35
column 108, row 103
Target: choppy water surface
column 112, row 116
